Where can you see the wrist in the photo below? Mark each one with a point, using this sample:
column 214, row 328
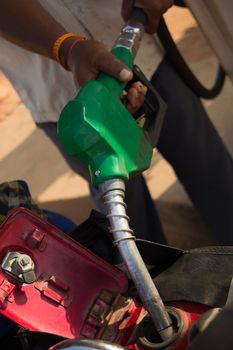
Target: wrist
column 64, row 51
column 63, row 46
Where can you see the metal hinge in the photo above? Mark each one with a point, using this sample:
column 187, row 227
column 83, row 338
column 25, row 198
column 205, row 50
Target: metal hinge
column 19, row 266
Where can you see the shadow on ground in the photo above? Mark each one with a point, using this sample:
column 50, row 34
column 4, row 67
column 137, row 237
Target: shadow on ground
column 34, row 161
column 77, row 209
column 183, row 226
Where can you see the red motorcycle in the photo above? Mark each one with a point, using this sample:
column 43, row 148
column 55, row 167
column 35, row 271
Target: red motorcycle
column 55, row 288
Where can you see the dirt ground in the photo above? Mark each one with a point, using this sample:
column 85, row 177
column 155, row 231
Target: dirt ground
column 27, row 154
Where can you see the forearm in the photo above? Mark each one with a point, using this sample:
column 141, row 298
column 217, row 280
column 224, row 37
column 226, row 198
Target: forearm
column 27, row 24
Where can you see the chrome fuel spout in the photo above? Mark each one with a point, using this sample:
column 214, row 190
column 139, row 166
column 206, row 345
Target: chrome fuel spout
column 113, row 192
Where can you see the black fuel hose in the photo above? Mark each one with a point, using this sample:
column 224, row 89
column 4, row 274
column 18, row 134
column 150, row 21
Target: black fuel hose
column 178, row 62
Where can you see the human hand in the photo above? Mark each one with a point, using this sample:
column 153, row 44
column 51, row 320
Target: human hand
column 135, row 97
column 88, row 58
column 152, row 8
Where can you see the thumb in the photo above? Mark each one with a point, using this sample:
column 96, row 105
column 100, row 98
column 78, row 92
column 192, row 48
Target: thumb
column 112, row 66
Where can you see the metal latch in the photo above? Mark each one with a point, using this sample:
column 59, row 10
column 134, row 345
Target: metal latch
column 19, row 266
column 54, row 289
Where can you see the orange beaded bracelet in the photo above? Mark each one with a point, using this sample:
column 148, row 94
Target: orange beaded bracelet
column 59, row 42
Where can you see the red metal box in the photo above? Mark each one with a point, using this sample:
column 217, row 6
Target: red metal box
column 49, row 282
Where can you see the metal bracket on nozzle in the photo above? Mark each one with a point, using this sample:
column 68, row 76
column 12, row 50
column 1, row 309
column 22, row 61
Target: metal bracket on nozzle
column 132, row 32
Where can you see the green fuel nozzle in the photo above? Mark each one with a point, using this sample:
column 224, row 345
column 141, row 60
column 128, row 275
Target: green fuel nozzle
column 96, row 128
